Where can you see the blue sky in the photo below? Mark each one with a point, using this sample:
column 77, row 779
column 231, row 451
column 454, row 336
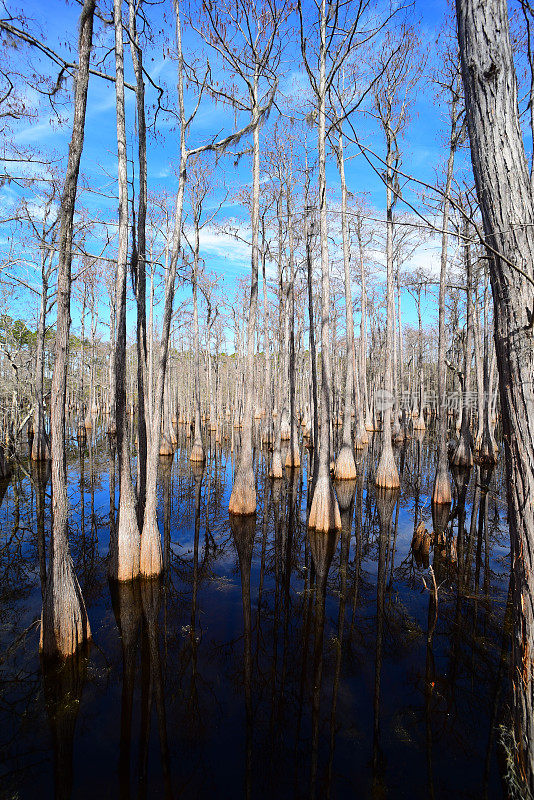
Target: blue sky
column 423, row 151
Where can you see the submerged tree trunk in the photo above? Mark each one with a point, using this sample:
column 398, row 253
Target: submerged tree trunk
column 64, row 624
column 505, row 197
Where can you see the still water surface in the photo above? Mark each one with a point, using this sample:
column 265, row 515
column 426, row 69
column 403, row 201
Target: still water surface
column 267, row 662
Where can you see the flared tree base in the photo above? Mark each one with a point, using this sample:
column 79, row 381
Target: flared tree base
column 463, row 453
column 387, row 475
column 40, row 448
column 441, row 492
column 198, row 455
column 165, row 447
column 293, row 458
column 345, row 491
column 324, row 512
column 276, row 471
column 151, row 558
column 345, row 465
column 65, row 626
column 243, row 497
column 124, row 550
column 419, row 424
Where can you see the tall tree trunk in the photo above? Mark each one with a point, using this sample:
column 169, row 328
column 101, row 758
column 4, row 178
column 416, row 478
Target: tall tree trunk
column 403, row 429
column 277, row 469
column 363, row 340
column 463, row 454
column 139, row 264
column 441, row 491
column 505, row 196
column 40, row 450
column 313, row 353
column 293, row 453
column 64, row 623
column 387, row 476
column 268, row 402
column 151, row 562
column 420, row 423
column 324, row 510
column 123, row 562
column 488, row 450
column 197, row 452
column 243, row 497
column 345, row 466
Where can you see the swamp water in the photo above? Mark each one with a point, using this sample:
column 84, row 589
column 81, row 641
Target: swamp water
column 267, row 662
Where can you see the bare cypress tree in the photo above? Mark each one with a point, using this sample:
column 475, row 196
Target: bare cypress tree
column 267, row 436
column 151, row 562
column 124, row 546
column 450, row 84
column 338, row 31
column 345, row 466
column 324, row 511
column 138, row 258
column 463, row 453
column 246, row 37
column 40, row 449
column 64, row 623
column 487, row 452
column 293, row 452
column 505, row 196
column 200, row 188
column 277, row 470
column 399, row 72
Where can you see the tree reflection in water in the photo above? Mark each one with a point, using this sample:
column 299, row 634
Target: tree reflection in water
column 268, row 661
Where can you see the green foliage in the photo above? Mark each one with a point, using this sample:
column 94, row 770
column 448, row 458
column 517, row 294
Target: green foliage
column 15, row 332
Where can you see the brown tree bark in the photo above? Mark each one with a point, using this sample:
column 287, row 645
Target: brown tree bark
column 505, row 196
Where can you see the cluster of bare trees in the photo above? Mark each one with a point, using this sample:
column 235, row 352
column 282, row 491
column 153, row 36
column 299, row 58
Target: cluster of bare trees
column 326, row 348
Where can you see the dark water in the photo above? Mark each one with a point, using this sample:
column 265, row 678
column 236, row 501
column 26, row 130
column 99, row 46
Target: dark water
column 267, row 662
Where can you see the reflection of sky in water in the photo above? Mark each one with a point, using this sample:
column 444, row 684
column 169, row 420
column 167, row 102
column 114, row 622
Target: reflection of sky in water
column 226, row 731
